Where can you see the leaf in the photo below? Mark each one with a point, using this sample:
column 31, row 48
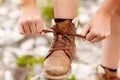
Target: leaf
column 29, row 60
column 73, row 77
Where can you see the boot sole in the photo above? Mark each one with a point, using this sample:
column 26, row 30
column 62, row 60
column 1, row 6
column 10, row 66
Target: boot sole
column 61, row 77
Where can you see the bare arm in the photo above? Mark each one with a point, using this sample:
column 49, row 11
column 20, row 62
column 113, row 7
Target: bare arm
column 108, row 7
column 98, row 28
column 27, row 3
column 30, row 21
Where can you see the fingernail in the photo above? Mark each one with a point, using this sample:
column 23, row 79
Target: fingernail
column 41, row 33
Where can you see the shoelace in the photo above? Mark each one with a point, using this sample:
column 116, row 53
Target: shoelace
column 61, row 43
column 53, row 31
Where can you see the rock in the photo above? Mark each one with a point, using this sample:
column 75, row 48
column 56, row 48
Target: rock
column 2, row 40
column 11, row 3
column 27, row 45
column 3, row 11
column 38, row 69
column 84, row 18
column 49, row 37
column 16, row 36
column 37, row 77
column 82, row 71
column 41, row 51
column 14, row 14
column 8, row 38
column 41, row 41
column 8, row 58
column 40, row 77
column 8, row 75
column 8, row 25
column 14, row 51
column 1, row 72
column 15, row 2
column 20, row 73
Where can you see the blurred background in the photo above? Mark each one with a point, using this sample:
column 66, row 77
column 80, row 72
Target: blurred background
column 21, row 57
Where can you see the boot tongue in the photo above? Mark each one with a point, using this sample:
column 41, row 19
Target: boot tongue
column 63, row 26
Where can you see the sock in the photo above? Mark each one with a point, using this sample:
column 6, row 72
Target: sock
column 61, row 20
column 112, row 70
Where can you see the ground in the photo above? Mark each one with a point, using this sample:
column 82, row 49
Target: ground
column 14, row 45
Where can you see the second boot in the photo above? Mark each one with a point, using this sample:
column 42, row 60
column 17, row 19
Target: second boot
column 105, row 74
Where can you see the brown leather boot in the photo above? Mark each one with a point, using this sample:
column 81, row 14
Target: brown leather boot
column 57, row 64
column 105, row 74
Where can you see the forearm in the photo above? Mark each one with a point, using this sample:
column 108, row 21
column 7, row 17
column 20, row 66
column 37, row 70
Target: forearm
column 108, row 7
column 27, row 3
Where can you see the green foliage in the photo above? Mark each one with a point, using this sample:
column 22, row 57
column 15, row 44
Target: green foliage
column 29, row 60
column 73, row 77
column 40, row 60
column 1, row 3
column 46, row 8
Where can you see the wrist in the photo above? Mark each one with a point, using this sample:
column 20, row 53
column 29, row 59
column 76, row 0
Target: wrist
column 104, row 13
column 28, row 4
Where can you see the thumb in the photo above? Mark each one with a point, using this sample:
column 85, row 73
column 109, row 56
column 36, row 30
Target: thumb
column 44, row 27
column 85, row 30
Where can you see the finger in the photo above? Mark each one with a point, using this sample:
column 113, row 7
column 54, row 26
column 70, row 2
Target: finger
column 33, row 28
column 94, row 40
column 40, row 26
column 97, row 39
column 21, row 30
column 27, row 29
column 44, row 27
column 90, row 36
column 85, row 30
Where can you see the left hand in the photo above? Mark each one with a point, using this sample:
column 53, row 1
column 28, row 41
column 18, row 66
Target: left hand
column 97, row 29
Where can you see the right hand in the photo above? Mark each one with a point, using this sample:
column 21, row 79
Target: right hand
column 30, row 22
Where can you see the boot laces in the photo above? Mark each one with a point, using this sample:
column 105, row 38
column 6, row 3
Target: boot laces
column 61, row 39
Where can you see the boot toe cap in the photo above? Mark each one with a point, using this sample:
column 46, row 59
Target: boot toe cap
column 56, row 71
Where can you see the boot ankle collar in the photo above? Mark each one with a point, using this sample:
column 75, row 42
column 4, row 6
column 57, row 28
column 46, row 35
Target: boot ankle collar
column 100, row 70
column 75, row 21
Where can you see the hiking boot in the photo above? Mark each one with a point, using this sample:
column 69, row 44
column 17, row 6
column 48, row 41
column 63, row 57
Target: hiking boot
column 57, row 64
column 105, row 74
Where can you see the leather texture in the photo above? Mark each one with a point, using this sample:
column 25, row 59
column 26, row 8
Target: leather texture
column 106, row 75
column 62, row 51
